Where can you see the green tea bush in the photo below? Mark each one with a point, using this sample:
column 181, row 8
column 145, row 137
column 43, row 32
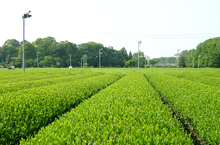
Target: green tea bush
column 127, row 112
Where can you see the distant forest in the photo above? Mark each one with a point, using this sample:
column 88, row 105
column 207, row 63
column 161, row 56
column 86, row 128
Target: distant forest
column 209, row 52
column 57, row 54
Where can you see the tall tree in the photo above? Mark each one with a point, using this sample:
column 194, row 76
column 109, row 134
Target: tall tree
column 170, row 59
column 12, row 42
column 161, row 60
column 190, row 58
column 91, row 49
column 141, row 58
column 29, row 51
column 209, row 50
column 182, row 58
column 130, row 63
column 153, row 61
column 9, row 50
column 122, row 56
column 130, row 55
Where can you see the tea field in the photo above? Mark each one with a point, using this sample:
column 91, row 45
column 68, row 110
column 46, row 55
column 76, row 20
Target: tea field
column 110, row 106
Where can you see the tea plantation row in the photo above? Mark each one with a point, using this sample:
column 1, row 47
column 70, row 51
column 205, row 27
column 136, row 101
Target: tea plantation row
column 24, row 112
column 126, row 112
column 195, row 103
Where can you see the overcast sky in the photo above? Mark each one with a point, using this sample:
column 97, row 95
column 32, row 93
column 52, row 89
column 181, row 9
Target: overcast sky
column 163, row 25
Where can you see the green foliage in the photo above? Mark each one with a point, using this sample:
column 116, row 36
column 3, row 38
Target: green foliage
column 197, row 104
column 130, row 63
column 210, row 52
column 29, row 51
column 29, row 83
column 60, row 53
column 127, row 112
column 141, row 58
column 12, row 42
column 170, row 59
column 197, row 77
column 189, row 58
column 24, row 112
column 161, row 60
column 7, row 52
column 153, row 61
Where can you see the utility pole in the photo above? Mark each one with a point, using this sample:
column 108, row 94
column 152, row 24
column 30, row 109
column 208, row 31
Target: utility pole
column 148, row 58
column 99, row 58
column 139, row 42
column 37, row 59
column 86, row 61
column 81, row 61
column 23, row 46
column 26, row 15
column 178, row 58
column 193, row 62
column 70, row 67
column 199, row 60
column 70, row 59
column 145, row 60
column 132, row 61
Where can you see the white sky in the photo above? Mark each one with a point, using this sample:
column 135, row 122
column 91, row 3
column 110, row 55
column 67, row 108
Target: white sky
column 163, row 25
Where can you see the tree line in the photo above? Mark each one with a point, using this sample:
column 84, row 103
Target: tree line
column 57, row 54
column 206, row 54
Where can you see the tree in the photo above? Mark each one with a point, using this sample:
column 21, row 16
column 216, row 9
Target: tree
column 2, row 57
column 130, row 55
column 91, row 49
column 12, row 42
column 190, row 57
column 2, row 63
column 47, row 45
column 141, row 58
column 210, row 52
column 130, row 63
column 153, row 61
column 18, row 62
column 29, row 63
column 182, row 61
column 38, row 41
column 7, row 59
column 184, row 53
column 122, row 56
column 170, row 59
column 161, row 60
column 29, row 51
column 42, row 52
column 59, row 62
column 9, row 50
column 49, row 60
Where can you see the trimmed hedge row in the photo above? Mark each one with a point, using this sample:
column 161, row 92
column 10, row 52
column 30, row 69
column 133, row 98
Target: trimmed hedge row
column 196, row 103
column 126, row 112
column 24, row 113
column 197, row 77
column 17, row 86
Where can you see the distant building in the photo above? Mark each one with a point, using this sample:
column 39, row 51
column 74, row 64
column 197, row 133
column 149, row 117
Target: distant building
column 172, row 64
column 165, row 64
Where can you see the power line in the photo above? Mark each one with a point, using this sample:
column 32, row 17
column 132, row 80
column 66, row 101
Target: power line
column 142, row 36
column 122, row 35
column 9, row 26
